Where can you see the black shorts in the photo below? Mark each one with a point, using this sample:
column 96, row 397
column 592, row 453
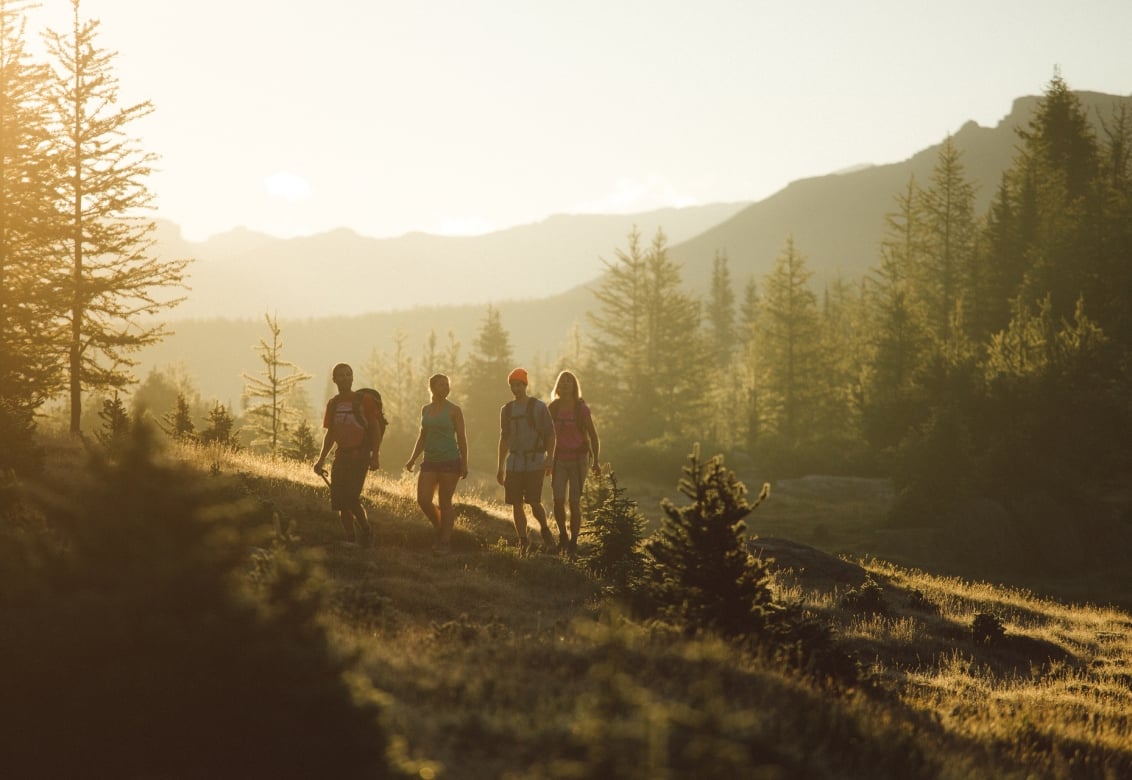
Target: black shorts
column 347, row 478
column 523, row 487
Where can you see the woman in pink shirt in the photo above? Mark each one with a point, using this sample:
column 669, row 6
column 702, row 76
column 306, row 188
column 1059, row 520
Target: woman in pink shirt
column 576, row 442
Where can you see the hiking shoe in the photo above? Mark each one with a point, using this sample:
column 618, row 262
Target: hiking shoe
column 572, row 551
column 563, row 541
column 524, row 545
column 547, row 539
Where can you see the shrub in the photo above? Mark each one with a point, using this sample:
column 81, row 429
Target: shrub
column 867, row 599
column 987, row 629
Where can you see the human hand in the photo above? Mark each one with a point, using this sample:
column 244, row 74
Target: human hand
column 499, row 476
column 374, row 463
column 408, row 465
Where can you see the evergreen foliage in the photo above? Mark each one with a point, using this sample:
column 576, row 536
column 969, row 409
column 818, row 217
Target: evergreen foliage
column 178, row 422
column 173, row 663
column 221, row 428
column 305, row 445
column 115, row 422
column 114, row 285
column 272, row 417
column 615, row 531
column 653, row 352
column 703, row 574
column 30, row 370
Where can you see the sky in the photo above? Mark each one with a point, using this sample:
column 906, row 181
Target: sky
column 460, row 117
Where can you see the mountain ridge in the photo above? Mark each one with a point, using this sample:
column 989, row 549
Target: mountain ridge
column 836, row 221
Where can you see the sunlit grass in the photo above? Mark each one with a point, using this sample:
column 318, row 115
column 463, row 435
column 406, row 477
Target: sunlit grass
column 497, row 664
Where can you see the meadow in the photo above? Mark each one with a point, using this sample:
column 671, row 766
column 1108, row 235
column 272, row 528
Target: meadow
column 485, row 663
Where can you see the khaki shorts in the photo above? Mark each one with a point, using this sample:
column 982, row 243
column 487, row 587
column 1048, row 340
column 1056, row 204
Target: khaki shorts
column 523, row 487
column 347, row 478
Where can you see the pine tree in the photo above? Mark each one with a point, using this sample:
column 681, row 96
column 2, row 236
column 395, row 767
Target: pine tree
column 896, row 330
column 114, row 285
column 704, row 576
column 485, row 384
column 178, row 423
column 221, row 428
column 273, row 415
column 304, row 445
column 615, row 529
column 647, row 332
column 115, row 422
column 30, row 370
column 943, row 270
column 1058, row 166
column 789, row 349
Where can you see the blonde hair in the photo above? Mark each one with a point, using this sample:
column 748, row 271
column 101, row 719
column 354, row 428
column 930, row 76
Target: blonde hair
column 558, row 382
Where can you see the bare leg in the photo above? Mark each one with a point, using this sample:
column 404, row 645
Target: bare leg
column 448, row 484
column 520, row 518
column 426, row 488
column 347, row 518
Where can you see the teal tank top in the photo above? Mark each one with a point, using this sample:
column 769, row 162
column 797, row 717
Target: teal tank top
column 440, row 435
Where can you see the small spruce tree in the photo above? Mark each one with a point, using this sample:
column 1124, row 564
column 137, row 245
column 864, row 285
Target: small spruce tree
column 115, row 422
column 615, row 526
column 703, row 574
column 178, row 423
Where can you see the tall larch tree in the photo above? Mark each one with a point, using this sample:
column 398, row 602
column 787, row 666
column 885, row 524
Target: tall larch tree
column 272, row 418
column 115, row 283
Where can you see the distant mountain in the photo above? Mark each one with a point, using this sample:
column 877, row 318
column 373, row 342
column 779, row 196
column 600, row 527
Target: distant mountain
column 836, row 221
column 242, row 274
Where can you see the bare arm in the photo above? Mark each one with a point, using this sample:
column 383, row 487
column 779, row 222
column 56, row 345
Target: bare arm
column 327, row 443
column 461, row 440
column 418, row 448
column 595, row 444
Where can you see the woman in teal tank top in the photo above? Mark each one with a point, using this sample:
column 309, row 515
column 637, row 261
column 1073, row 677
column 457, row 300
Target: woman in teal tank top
column 445, row 447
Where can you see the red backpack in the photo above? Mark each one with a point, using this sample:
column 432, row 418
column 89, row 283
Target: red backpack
column 350, row 427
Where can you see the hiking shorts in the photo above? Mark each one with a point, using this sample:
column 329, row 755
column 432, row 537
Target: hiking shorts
column 347, row 478
column 523, row 487
column 568, row 473
column 441, row 466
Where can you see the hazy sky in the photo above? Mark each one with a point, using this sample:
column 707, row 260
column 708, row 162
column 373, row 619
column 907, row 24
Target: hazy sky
column 458, row 116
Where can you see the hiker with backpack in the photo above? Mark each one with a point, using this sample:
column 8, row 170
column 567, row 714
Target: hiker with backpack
column 445, row 447
column 575, row 441
column 355, row 426
column 526, row 452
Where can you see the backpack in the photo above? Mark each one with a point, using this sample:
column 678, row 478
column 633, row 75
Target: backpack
column 530, row 417
column 355, row 432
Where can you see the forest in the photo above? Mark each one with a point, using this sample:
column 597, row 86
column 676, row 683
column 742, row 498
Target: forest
column 984, row 361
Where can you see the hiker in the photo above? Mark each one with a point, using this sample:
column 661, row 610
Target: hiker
column 526, row 440
column 355, row 425
column 575, row 441
column 445, row 448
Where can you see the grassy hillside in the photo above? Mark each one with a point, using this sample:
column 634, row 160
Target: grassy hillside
column 488, row 664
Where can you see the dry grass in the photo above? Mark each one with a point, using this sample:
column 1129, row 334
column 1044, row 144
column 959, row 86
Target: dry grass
column 505, row 666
